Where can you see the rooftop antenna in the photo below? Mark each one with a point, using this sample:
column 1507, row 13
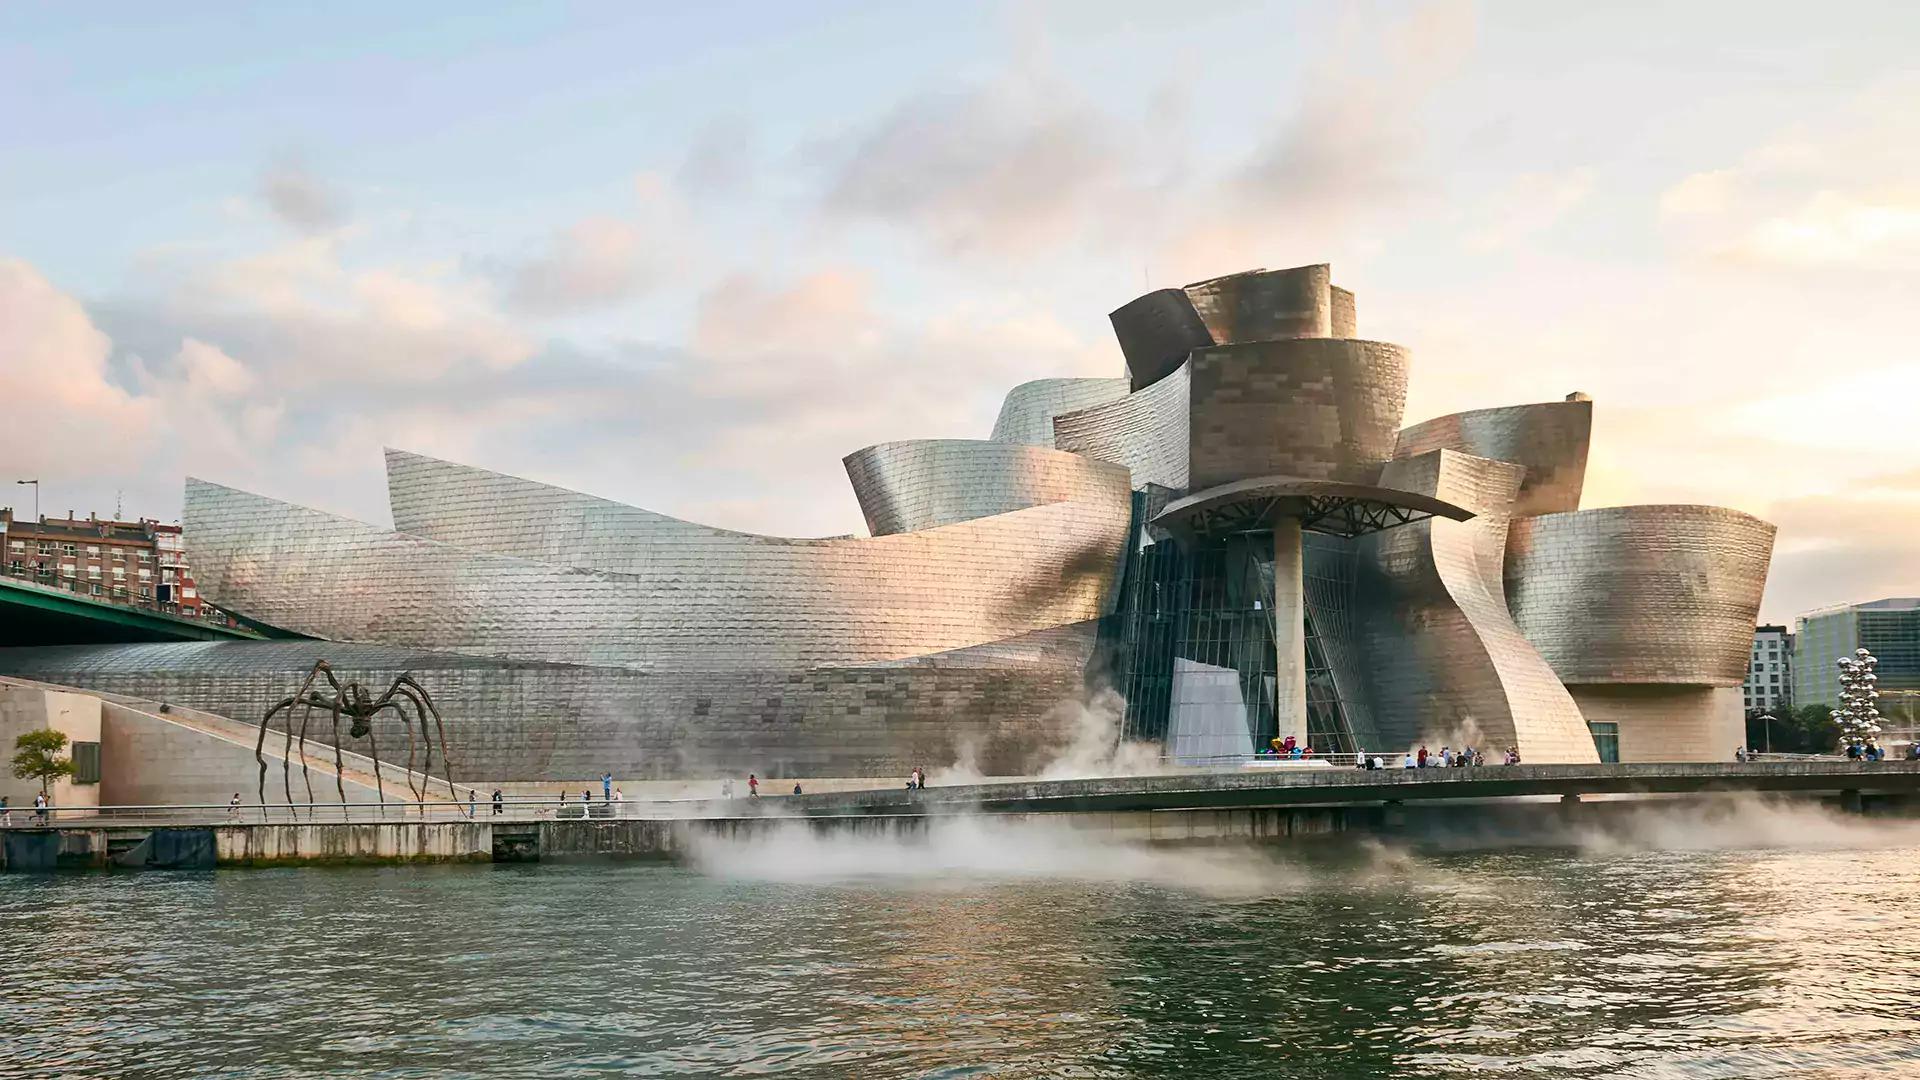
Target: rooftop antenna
column 117, row 497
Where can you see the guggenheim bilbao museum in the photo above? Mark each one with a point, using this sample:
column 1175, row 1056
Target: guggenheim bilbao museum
column 1235, row 541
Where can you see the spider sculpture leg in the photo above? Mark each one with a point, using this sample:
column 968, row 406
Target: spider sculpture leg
column 286, row 759
column 339, row 763
column 320, row 667
column 260, row 744
column 419, row 796
column 424, row 701
column 373, row 751
column 306, row 774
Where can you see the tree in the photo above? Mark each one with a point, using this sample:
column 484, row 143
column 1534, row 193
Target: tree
column 37, row 757
column 1807, row 729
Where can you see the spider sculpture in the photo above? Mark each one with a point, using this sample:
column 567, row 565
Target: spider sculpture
column 353, row 702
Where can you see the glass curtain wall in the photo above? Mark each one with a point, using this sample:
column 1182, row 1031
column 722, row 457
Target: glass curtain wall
column 1194, row 653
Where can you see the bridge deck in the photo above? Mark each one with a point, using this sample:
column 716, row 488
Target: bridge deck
column 1337, row 786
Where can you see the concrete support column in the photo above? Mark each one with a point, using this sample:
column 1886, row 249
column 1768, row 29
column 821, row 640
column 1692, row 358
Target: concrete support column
column 1851, row 803
column 1289, row 631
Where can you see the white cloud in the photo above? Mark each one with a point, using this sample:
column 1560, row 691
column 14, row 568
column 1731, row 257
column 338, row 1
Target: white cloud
column 62, row 409
column 604, row 259
column 1833, row 196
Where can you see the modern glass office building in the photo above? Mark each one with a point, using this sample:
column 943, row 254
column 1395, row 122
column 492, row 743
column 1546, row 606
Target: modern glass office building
column 1889, row 629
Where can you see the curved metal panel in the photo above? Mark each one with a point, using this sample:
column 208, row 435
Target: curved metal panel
column 515, row 722
column 1450, row 667
column 1145, row 431
column 1266, row 305
column 1640, row 594
column 1156, row 332
column 655, row 596
column 1319, row 409
column 925, row 483
column 1550, row 438
column 1026, row 416
column 1346, row 317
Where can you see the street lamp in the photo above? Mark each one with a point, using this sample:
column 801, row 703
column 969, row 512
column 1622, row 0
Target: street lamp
column 36, row 498
column 1766, row 719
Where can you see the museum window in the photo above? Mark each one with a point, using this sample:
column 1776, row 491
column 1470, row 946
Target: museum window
column 1606, row 741
column 86, row 762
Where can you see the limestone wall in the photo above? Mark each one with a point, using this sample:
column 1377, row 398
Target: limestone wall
column 24, row 709
column 1668, row 723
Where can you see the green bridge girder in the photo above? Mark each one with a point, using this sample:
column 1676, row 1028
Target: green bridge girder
column 34, row 615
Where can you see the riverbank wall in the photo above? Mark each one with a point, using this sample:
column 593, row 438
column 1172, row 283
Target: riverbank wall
column 245, row 844
column 80, row 845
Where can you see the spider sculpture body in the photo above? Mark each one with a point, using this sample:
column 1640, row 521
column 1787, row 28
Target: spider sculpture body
column 406, row 698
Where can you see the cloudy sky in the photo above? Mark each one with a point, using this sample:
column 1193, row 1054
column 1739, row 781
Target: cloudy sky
column 687, row 256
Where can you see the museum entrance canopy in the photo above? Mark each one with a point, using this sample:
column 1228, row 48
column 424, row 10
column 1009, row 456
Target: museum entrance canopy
column 1324, row 506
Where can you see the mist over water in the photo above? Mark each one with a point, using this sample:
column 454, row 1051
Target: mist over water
column 1728, row 939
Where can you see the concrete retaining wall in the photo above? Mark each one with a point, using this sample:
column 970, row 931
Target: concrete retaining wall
column 433, row 841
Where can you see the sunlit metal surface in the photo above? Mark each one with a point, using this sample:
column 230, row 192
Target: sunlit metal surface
column 1449, row 666
column 1315, row 408
column 922, row 484
column 660, row 596
column 1550, row 438
column 522, row 721
column 1640, row 594
column 1026, row 416
column 1146, row 431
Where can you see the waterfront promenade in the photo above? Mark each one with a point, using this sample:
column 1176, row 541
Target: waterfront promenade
column 1250, row 804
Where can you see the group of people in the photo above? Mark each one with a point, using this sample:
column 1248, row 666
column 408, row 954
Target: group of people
column 1871, row 752
column 917, row 779
column 609, row 795
column 41, row 807
column 1449, row 758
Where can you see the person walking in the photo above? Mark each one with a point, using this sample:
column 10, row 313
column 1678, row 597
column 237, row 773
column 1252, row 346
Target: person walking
column 473, row 803
column 498, row 801
column 606, row 787
column 753, row 786
column 233, row 805
column 619, row 803
column 6, row 813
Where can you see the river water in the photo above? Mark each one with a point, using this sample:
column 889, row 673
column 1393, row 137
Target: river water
column 1746, row 941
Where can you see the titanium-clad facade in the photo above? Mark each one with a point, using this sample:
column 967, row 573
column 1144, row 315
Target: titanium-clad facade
column 1147, row 432
column 1026, row 416
column 1449, row 665
column 498, row 585
column 1549, row 439
column 1237, row 535
column 518, row 722
column 909, row 486
column 1640, row 594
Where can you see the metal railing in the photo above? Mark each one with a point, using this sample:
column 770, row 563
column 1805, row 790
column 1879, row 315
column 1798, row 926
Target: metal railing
column 508, row 809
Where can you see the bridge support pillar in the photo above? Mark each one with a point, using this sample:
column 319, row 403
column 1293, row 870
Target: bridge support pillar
column 1393, row 815
column 1850, row 801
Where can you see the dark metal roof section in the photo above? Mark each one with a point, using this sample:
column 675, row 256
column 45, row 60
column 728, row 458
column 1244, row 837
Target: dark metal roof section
column 1324, row 506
